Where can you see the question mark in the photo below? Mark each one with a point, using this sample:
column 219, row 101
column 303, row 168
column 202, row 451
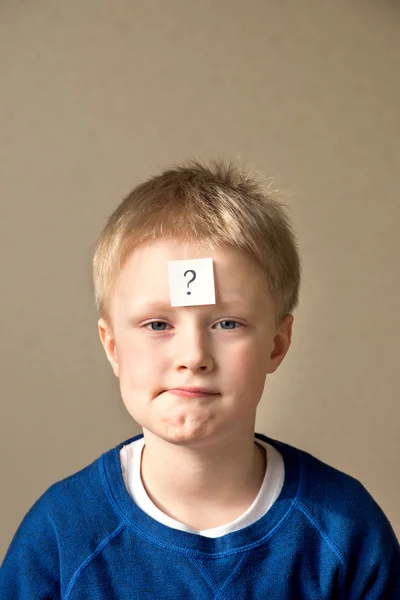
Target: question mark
column 194, row 277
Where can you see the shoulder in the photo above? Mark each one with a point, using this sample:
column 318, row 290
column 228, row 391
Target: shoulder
column 323, row 489
column 62, row 499
column 70, row 519
column 336, row 504
column 335, row 497
column 344, row 514
column 353, row 526
column 84, row 498
column 80, row 503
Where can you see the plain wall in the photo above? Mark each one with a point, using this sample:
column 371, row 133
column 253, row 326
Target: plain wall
column 98, row 95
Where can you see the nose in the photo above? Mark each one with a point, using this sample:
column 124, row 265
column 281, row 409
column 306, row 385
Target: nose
column 193, row 351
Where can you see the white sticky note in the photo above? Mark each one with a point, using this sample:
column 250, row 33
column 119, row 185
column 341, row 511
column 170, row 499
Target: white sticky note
column 191, row 282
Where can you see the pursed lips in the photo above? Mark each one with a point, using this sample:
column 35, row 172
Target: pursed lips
column 192, row 392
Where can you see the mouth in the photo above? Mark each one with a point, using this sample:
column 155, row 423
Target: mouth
column 192, row 392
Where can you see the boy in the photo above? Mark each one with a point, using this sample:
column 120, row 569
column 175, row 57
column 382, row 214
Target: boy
column 196, row 277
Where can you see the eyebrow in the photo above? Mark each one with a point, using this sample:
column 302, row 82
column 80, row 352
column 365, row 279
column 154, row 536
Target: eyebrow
column 164, row 308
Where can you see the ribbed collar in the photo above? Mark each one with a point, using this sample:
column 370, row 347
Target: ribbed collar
column 162, row 535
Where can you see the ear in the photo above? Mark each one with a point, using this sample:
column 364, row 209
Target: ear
column 107, row 339
column 282, row 341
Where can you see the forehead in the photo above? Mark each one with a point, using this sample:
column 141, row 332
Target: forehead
column 144, row 277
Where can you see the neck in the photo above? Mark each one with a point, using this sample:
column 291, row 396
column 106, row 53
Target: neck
column 202, row 486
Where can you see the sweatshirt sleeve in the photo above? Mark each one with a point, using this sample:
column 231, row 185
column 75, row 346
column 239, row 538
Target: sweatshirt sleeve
column 31, row 566
column 376, row 574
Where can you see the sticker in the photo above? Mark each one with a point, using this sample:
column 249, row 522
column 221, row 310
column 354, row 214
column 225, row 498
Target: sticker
column 191, row 282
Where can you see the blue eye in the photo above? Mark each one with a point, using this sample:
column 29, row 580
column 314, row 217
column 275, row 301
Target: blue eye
column 162, row 325
column 156, row 323
column 229, row 322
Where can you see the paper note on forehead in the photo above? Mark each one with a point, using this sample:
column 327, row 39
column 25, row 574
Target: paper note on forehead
column 191, row 282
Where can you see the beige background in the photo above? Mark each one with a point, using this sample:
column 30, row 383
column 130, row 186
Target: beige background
column 95, row 96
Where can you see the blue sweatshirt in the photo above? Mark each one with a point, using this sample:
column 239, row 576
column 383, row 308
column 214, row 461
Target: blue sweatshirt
column 323, row 537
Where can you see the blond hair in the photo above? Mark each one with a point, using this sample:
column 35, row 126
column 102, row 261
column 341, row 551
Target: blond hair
column 217, row 205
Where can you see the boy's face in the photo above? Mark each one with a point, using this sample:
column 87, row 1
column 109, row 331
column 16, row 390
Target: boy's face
column 227, row 348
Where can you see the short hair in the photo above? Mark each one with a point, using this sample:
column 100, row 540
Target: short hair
column 217, row 205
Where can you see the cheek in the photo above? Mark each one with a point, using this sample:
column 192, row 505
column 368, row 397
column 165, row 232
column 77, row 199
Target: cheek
column 135, row 374
column 247, row 356
column 139, row 365
column 249, row 367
